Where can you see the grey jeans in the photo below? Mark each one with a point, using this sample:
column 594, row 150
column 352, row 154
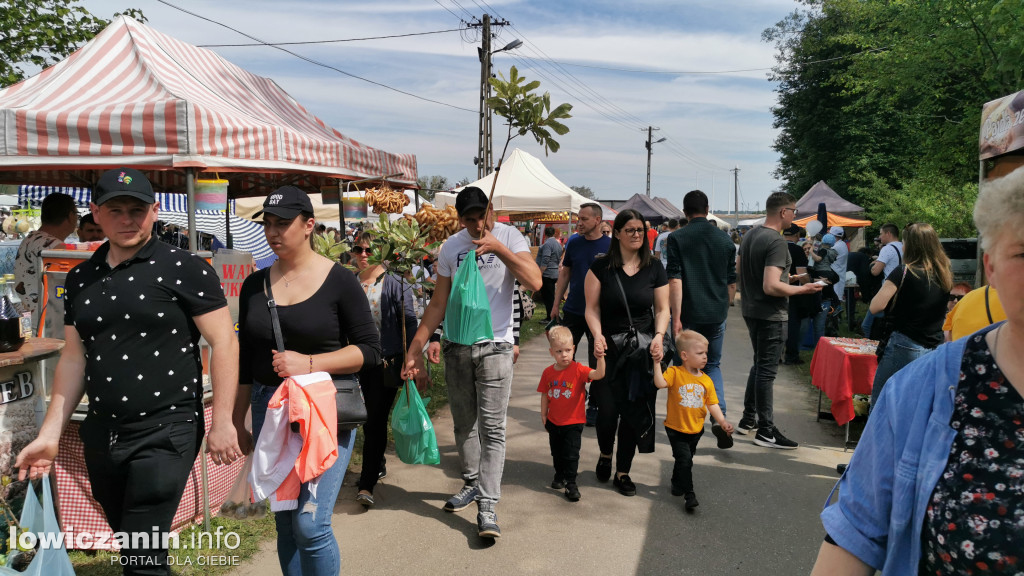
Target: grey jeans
column 479, row 382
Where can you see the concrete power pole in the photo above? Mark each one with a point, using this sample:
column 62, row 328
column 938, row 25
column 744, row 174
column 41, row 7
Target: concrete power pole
column 650, row 145
column 484, row 159
column 736, row 194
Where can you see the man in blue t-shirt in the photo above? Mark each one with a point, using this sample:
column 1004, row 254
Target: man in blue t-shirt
column 580, row 252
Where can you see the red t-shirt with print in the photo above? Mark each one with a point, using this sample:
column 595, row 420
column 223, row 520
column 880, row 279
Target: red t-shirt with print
column 567, row 393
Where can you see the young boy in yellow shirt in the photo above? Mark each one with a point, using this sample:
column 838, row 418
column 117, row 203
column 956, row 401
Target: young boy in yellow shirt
column 563, row 407
column 691, row 395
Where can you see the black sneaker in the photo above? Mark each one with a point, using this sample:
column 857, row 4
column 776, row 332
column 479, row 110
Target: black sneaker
column 487, row 524
column 691, row 501
column 746, row 426
column 770, row 437
column 463, row 499
column 604, row 469
column 365, row 499
column 625, row 485
column 572, row 492
column 557, row 483
column 724, row 438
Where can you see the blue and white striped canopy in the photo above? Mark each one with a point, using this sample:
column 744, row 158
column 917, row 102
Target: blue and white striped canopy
column 246, row 234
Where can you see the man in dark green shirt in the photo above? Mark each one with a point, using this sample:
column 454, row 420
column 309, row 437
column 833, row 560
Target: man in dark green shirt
column 702, row 282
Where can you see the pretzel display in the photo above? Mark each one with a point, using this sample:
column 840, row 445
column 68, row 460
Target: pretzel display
column 384, row 199
column 441, row 223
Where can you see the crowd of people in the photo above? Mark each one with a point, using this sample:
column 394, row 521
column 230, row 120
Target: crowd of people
column 946, row 420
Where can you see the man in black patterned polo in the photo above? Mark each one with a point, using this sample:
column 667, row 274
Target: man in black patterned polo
column 134, row 313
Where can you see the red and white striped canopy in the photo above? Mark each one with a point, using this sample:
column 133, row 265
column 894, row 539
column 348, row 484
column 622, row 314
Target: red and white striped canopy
column 134, row 96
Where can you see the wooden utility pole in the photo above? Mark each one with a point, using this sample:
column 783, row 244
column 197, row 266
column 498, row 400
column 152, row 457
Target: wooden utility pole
column 736, row 196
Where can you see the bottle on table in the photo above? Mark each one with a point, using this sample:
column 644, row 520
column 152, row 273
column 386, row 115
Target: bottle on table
column 10, row 322
column 26, row 315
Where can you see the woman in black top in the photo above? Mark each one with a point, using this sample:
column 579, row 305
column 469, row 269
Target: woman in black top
column 625, row 397
column 918, row 290
column 327, row 327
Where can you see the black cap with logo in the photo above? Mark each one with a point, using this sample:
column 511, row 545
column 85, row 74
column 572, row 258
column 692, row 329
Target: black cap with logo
column 286, row 202
column 123, row 182
column 470, row 198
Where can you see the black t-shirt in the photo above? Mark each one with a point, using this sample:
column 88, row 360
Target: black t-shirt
column 335, row 316
column 141, row 344
column 920, row 307
column 639, row 291
column 796, row 253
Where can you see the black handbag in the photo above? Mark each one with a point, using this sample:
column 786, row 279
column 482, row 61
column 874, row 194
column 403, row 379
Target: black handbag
column 348, row 396
column 635, row 345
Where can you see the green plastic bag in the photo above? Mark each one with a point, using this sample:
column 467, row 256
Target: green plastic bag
column 468, row 317
column 415, row 441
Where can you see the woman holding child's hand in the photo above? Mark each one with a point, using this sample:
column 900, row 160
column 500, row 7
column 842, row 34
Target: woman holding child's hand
column 621, row 288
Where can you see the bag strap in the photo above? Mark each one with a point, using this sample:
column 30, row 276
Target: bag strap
column 625, row 302
column 274, row 321
column 988, row 308
column 892, row 301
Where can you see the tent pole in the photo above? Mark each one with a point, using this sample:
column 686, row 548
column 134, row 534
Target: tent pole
column 227, row 223
column 190, row 191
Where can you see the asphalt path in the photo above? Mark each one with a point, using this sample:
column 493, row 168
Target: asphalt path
column 758, row 511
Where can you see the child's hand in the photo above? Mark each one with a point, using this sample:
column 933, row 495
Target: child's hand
column 728, row 428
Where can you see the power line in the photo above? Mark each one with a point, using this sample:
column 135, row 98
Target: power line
column 438, row 2
column 321, row 64
column 328, row 41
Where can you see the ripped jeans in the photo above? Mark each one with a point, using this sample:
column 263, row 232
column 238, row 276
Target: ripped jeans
column 305, row 540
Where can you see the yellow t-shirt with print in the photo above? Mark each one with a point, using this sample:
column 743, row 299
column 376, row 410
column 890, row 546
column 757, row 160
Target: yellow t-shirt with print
column 688, row 399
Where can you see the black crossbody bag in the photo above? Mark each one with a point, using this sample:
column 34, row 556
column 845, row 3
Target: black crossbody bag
column 348, row 398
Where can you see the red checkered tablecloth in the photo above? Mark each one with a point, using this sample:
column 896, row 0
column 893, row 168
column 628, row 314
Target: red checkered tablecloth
column 79, row 511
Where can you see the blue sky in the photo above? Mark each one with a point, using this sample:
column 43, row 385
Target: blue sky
column 713, row 121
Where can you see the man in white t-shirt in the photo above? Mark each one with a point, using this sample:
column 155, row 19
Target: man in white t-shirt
column 660, row 251
column 889, row 257
column 479, row 376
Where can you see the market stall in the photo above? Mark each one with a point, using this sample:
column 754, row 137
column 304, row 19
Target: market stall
column 133, row 96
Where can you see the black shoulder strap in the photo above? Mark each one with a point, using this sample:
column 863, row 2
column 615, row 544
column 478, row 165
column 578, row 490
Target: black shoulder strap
column 988, row 307
column 622, row 291
column 899, row 256
column 274, row 321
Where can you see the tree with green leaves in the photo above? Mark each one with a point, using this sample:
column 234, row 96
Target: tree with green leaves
column 35, row 34
column 430, row 185
column 584, row 191
column 882, row 99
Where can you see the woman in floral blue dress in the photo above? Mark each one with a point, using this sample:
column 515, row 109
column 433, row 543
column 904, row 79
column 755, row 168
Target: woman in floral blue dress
column 936, row 485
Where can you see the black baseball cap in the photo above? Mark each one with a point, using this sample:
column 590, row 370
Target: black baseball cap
column 793, row 230
column 286, row 202
column 470, row 198
column 123, row 182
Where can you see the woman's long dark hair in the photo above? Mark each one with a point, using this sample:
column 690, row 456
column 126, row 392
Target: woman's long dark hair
column 615, row 253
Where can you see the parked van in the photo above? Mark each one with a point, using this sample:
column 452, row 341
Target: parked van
column 963, row 253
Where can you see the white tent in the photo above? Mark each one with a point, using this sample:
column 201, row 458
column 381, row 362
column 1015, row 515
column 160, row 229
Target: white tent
column 525, row 185
column 722, row 224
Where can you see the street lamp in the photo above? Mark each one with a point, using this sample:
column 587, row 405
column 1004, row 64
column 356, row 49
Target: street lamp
column 650, row 145
column 484, row 157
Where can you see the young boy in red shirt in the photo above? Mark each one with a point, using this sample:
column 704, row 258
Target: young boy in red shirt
column 691, row 396
column 563, row 407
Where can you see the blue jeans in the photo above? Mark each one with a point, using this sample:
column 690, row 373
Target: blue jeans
column 899, row 351
column 869, row 320
column 305, row 540
column 768, row 338
column 715, row 333
column 479, row 381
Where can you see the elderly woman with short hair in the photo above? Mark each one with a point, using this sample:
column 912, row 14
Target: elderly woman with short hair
column 935, row 484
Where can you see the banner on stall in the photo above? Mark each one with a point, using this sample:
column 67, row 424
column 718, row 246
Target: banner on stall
column 212, row 195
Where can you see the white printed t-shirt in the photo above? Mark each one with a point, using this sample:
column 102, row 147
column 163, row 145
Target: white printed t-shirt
column 497, row 277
